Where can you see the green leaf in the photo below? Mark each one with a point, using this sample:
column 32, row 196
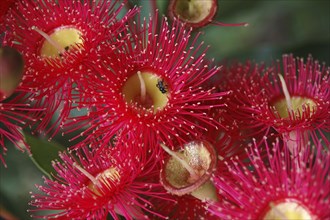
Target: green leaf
column 43, row 153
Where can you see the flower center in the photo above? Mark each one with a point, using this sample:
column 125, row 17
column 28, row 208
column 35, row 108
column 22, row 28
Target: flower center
column 295, row 105
column 108, row 178
column 189, row 171
column 193, row 11
column 61, row 40
column 147, row 91
column 287, row 211
column 11, row 71
column 298, row 105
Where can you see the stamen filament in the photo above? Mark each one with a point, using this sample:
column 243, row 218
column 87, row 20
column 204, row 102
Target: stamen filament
column 143, row 87
column 88, row 175
column 176, row 156
column 49, row 39
column 286, row 92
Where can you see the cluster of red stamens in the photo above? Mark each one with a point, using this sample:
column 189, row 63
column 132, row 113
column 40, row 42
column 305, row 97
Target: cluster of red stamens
column 154, row 134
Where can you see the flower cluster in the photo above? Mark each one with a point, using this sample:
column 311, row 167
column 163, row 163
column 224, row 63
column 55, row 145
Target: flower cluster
column 162, row 131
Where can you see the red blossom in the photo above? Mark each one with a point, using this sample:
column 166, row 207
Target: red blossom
column 181, row 71
column 57, row 81
column 121, row 181
column 259, row 185
column 256, row 90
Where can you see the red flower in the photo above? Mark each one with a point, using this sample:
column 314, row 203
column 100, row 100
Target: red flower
column 114, row 181
column 260, row 107
column 61, row 44
column 152, row 88
column 279, row 186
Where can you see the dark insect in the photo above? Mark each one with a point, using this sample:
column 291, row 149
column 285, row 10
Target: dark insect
column 161, row 86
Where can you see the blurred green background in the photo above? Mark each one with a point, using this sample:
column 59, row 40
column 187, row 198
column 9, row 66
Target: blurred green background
column 300, row 27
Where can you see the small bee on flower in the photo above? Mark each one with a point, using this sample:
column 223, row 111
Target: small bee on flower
column 156, row 91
